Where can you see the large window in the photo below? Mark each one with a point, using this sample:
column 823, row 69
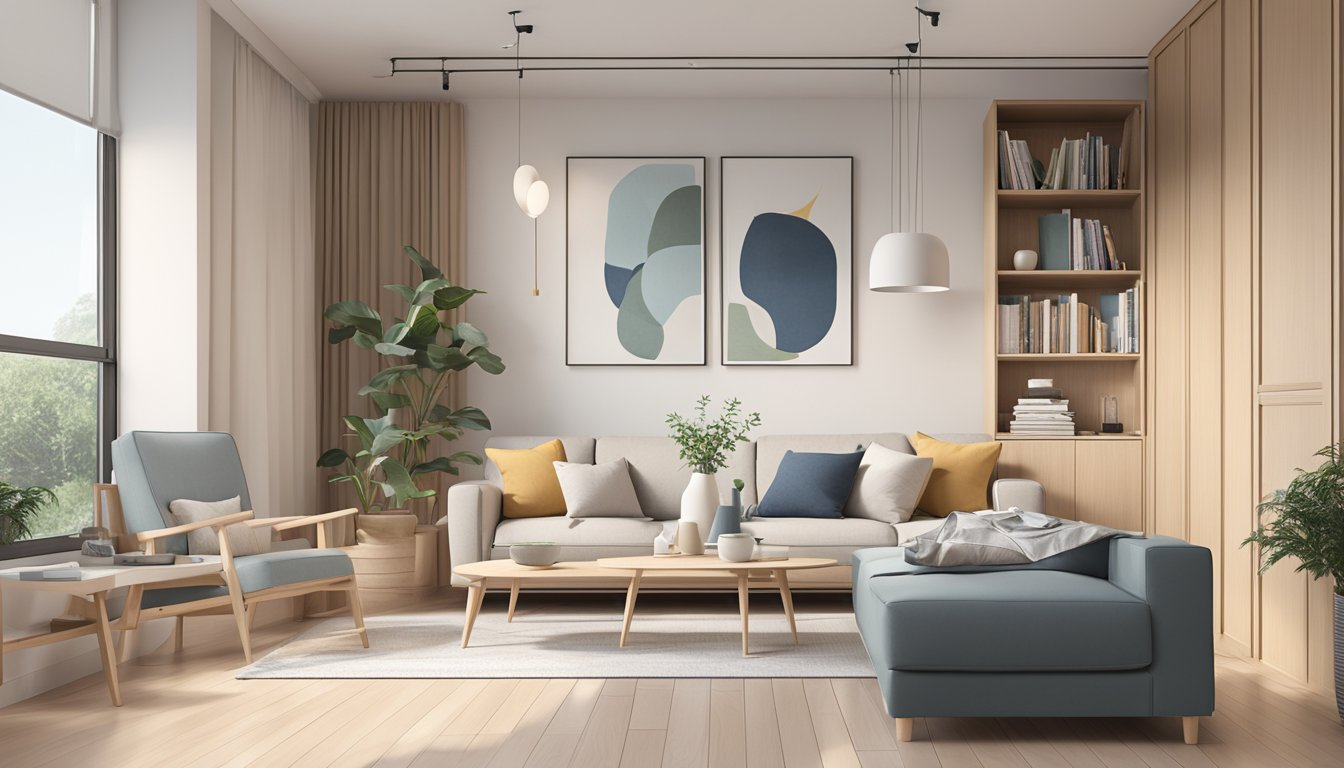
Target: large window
column 57, row 314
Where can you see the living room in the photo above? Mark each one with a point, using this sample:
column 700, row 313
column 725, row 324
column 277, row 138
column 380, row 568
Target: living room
column 597, row 383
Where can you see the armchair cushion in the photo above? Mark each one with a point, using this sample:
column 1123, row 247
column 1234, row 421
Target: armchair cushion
column 274, row 569
column 204, row 541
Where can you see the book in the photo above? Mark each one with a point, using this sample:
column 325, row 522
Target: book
column 1053, row 230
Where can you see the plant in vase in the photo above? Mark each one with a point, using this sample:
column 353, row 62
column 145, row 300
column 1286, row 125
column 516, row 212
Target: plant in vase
column 1308, row 525
column 18, row 507
column 420, row 354
column 705, row 444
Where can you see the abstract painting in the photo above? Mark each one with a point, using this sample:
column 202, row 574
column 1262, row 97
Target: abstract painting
column 635, row 261
column 787, row 265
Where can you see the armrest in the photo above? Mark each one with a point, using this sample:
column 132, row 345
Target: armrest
column 1176, row 580
column 472, row 513
column 1027, row 495
column 286, row 523
column 177, row 530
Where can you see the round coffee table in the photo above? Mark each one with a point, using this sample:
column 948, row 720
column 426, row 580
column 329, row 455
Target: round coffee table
column 778, row 569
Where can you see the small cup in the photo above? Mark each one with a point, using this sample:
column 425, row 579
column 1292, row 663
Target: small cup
column 736, row 547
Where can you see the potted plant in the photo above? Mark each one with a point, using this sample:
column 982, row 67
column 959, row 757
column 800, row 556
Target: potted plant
column 705, row 444
column 420, row 352
column 18, row 507
column 1308, row 524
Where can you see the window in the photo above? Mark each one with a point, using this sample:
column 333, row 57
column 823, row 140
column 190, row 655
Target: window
column 57, row 314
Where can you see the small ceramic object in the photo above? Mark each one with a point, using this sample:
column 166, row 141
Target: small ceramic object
column 689, row 540
column 736, row 547
column 1025, row 260
column 727, row 518
column 535, row 554
column 698, row 503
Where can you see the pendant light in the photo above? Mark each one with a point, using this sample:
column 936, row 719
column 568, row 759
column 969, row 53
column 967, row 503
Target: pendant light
column 529, row 191
column 909, row 262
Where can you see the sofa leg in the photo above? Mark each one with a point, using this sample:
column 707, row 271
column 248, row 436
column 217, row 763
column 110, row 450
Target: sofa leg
column 1190, row 725
column 905, row 728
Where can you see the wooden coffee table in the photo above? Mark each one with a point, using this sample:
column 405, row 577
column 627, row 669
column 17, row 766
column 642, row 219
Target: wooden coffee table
column 632, row 572
column 779, row 569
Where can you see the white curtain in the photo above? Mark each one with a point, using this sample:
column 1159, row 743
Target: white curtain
column 263, row 319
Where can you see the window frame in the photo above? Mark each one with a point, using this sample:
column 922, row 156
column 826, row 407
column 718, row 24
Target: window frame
column 105, row 353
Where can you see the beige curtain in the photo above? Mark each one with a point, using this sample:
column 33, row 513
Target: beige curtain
column 262, row 297
column 388, row 175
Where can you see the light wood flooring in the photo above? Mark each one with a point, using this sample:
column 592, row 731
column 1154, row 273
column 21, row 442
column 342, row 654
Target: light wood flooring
column 186, row 709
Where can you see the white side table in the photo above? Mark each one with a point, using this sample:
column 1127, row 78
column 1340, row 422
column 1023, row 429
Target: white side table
column 95, row 582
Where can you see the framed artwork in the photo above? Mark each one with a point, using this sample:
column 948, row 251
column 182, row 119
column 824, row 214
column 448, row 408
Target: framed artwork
column 635, row 261
column 787, row 267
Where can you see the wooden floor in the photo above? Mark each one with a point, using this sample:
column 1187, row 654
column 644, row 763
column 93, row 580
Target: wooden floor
column 187, row 710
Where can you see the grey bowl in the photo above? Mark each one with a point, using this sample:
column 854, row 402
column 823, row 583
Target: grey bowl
column 535, row 554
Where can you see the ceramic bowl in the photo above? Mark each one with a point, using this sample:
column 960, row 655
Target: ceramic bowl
column 535, row 554
column 736, row 547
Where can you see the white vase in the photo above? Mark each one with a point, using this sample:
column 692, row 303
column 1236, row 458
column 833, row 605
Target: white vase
column 1024, row 260
column 699, row 501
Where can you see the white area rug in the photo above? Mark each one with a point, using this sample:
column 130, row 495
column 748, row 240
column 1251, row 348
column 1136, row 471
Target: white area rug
column 554, row 641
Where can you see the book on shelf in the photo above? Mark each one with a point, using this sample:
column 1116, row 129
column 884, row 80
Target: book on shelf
column 1068, row 243
column 1017, row 168
column 1041, row 416
column 1064, row 324
column 1086, row 163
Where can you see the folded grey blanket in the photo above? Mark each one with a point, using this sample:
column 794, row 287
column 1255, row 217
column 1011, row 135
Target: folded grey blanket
column 1002, row 538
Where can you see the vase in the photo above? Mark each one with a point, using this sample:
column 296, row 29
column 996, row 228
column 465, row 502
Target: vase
column 699, row 501
column 1339, row 655
column 728, row 517
column 1024, row 260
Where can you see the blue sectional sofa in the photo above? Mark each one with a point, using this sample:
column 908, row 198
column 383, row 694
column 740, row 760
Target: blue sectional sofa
column 1121, row 627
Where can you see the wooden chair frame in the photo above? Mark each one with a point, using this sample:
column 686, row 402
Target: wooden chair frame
column 243, row 605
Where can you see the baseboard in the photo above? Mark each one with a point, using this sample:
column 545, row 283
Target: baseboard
column 1230, row 647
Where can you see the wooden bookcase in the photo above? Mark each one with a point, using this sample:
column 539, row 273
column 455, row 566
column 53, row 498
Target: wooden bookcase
column 1098, row 477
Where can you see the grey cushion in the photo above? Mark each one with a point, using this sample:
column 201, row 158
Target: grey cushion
column 598, row 490
column 243, row 540
column 274, row 569
column 770, row 449
column 577, row 449
column 158, row 598
column 660, row 476
column 152, row 469
column 1010, row 621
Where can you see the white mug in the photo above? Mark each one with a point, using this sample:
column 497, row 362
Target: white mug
column 688, row 538
column 736, row 547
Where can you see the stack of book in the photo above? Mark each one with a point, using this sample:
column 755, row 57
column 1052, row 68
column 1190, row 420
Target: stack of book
column 1085, row 163
column 1043, row 411
column 1079, row 244
column 1064, row 325
column 1017, row 168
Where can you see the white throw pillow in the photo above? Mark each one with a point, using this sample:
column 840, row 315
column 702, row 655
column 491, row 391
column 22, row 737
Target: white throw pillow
column 598, row 490
column 888, row 485
column 203, row 541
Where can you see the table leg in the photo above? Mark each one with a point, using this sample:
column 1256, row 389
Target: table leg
column 106, row 649
column 630, row 595
column 786, row 597
column 513, row 598
column 475, row 595
column 743, row 606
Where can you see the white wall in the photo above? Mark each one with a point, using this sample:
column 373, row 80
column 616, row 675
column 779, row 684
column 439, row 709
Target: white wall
column 918, row 359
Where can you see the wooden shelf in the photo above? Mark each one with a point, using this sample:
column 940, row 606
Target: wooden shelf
column 1010, row 436
column 1070, row 357
column 1067, row 198
column 1090, row 278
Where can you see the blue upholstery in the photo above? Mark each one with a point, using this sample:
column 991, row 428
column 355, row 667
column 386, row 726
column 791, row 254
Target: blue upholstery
column 158, row 598
column 1125, row 629
column 274, row 569
column 153, row 469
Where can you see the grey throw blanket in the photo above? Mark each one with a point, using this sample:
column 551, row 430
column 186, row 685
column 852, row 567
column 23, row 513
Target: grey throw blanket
column 1002, row 538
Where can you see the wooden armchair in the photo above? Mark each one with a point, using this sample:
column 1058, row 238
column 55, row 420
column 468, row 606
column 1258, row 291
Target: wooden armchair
column 155, row 468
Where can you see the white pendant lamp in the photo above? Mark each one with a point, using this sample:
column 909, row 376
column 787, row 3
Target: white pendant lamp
column 908, row 262
column 529, row 191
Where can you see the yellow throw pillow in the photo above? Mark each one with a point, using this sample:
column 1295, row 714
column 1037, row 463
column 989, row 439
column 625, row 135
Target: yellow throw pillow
column 531, row 487
column 960, row 478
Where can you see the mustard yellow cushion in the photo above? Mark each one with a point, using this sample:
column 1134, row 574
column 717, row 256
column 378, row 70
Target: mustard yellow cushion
column 531, row 487
column 960, row 478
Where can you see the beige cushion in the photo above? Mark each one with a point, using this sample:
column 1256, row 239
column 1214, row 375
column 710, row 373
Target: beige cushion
column 588, row 531
column 811, row 532
column 598, row 490
column 660, row 476
column 770, row 449
column 203, row 541
column 888, row 485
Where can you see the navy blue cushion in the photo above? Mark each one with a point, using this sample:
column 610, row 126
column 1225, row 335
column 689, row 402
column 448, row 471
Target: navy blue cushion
column 811, row 485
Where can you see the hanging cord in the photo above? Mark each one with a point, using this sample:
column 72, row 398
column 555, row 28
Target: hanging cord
column 517, row 60
column 919, row 131
column 905, row 145
column 536, row 283
column 891, row 220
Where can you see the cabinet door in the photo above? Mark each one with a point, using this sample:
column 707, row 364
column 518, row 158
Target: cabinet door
column 1048, row 462
column 1109, row 478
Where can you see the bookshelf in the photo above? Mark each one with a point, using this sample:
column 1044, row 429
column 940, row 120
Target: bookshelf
column 1069, row 465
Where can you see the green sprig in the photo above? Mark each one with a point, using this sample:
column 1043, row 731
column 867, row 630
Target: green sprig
column 705, row 443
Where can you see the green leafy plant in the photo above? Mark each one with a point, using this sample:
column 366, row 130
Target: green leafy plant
column 421, row 352
column 705, row 443
column 18, row 507
column 1308, row 521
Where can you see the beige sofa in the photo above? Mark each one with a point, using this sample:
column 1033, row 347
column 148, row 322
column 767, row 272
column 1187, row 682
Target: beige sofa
column 477, row 531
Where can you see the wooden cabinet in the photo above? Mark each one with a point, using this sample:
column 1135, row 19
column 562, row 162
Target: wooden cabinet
column 1096, row 481
column 1048, row 462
